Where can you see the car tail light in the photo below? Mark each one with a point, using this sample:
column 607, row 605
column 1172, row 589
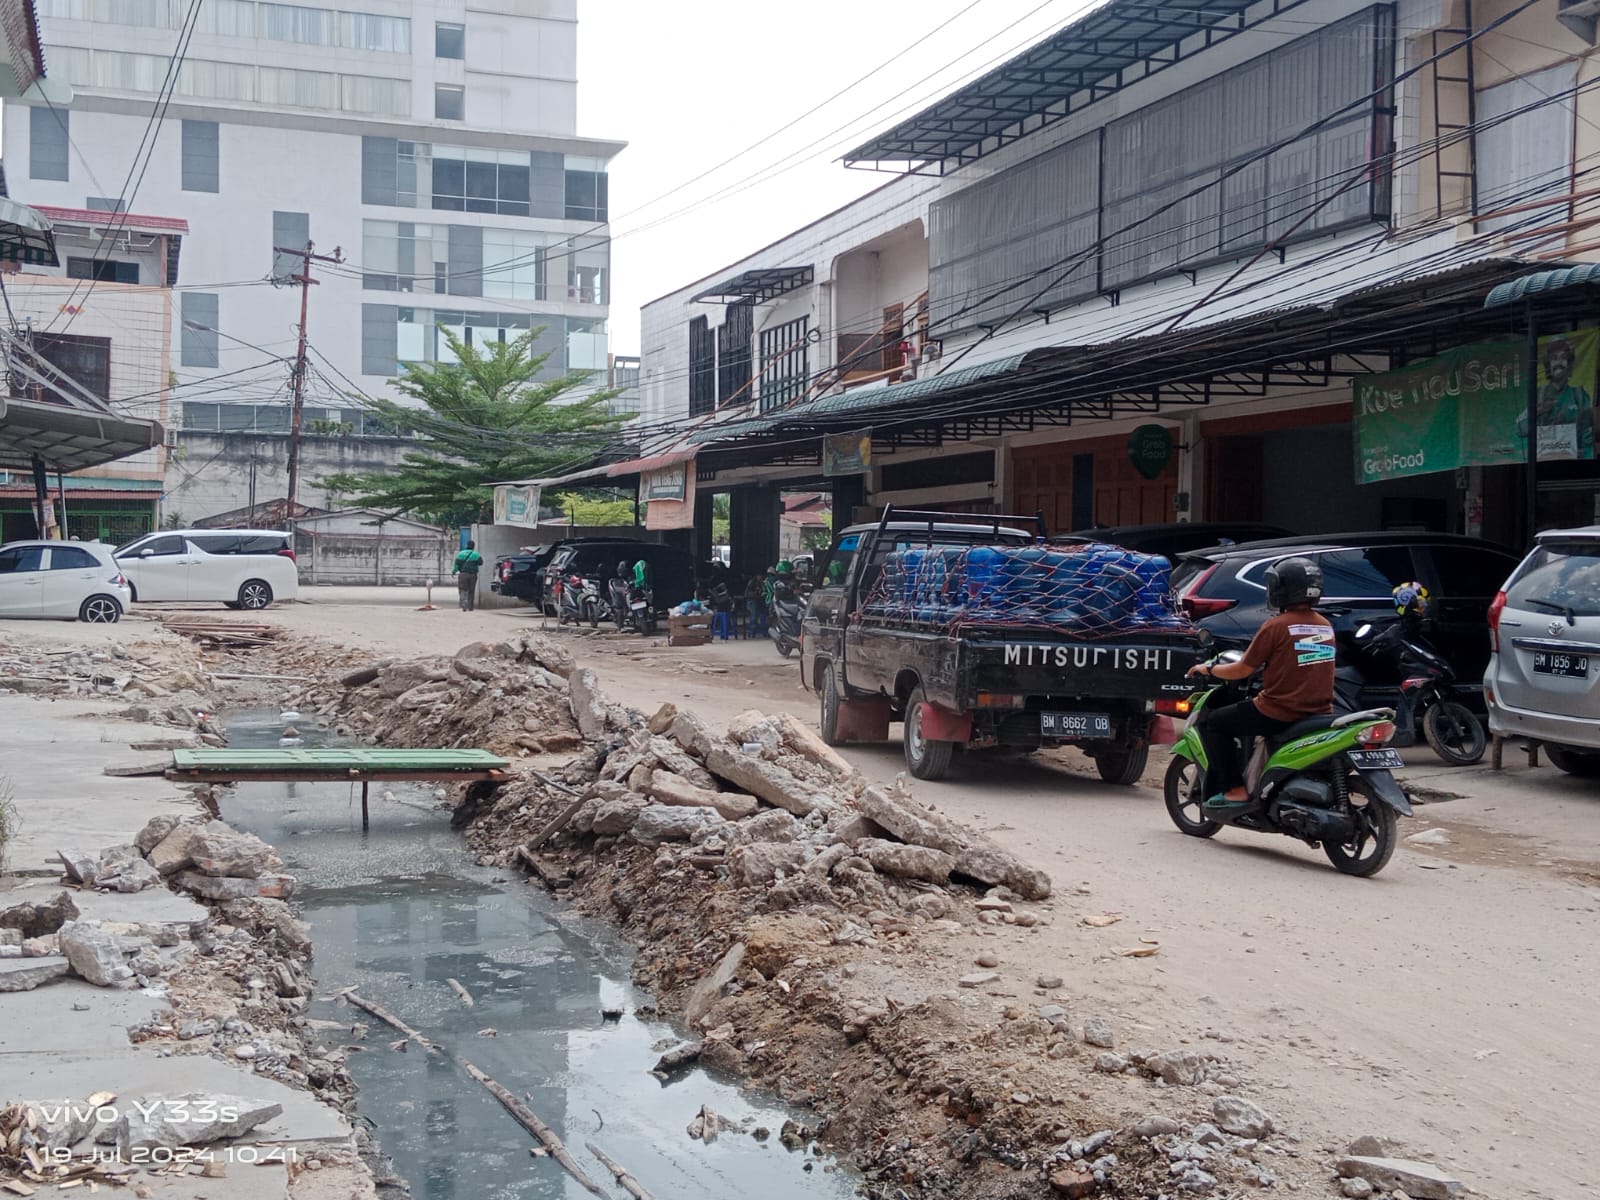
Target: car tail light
column 998, row 700
column 285, row 552
column 1173, row 708
column 1380, row 734
column 1198, row 607
column 1496, row 607
column 119, row 581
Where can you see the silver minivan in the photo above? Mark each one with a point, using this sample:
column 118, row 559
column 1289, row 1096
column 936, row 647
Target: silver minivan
column 1543, row 680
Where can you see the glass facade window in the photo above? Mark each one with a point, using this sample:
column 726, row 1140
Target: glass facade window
column 368, row 31
column 585, row 266
column 49, row 146
column 785, row 362
column 200, row 157
column 472, row 180
column 449, row 41
column 588, row 194
column 290, row 230
column 198, row 342
column 229, row 18
column 297, row 89
column 573, row 344
column 106, row 270
column 514, row 264
column 449, row 102
column 292, row 23
column 215, row 80
column 400, row 256
column 369, row 94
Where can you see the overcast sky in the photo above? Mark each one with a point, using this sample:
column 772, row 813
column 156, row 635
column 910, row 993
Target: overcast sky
column 689, row 85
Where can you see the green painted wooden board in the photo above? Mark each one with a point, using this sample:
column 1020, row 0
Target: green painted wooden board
column 349, row 758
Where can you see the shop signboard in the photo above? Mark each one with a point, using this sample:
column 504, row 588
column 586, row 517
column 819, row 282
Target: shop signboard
column 667, row 483
column 1468, row 407
column 668, row 493
column 847, row 453
column 516, row 505
column 1150, row 450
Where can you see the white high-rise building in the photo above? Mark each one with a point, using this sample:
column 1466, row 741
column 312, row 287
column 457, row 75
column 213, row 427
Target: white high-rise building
column 434, row 142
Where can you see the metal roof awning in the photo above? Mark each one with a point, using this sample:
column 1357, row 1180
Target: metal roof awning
column 26, row 236
column 1541, row 282
column 765, row 283
column 1116, row 45
column 859, row 404
column 68, row 439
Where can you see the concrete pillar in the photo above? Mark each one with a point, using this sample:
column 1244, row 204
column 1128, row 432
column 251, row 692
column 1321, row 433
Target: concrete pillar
column 753, row 525
column 704, row 538
column 849, row 493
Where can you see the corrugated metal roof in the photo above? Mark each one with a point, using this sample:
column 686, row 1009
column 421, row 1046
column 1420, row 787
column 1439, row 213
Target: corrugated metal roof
column 861, row 400
column 1540, row 282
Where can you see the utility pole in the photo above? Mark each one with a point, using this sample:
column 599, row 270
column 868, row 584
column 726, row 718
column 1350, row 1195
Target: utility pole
column 304, row 280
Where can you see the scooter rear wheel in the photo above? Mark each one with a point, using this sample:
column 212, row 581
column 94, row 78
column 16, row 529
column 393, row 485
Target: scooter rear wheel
column 1377, row 830
column 1184, row 791
column 1454, row 733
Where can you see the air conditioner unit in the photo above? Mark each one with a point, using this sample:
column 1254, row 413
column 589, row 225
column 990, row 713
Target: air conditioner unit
column 172, row 439
column 1580, row 16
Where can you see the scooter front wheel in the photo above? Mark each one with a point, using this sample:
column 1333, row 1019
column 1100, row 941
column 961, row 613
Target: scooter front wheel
column 1454, row 733
column 1184, row 791
column 1376, row 830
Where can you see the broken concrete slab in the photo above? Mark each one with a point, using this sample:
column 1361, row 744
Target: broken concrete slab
column 706, row 993
column 37, row 917
column 766, row 780
column 221, row 851
column 975, row 855
column 153, row 1122
column 760, row 863
column 25, row 974
column 690, row 732
column 668, row 787
column 94, row 954
column 172, row 853
column 212, row 887
column 1419, row 1180
column 588, row 704
column 906, row 862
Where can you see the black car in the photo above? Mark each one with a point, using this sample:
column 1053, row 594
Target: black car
column 1224, row 589
column 521, row 576
column 672, row 571
column 1173, row 538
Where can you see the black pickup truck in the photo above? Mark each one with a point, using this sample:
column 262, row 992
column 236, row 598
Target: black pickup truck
column 1021, row 684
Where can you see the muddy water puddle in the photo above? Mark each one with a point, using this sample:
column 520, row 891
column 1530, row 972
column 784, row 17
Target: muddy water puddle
column 402, row 908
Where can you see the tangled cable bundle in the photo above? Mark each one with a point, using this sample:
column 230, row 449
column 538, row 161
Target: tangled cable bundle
column 1092, row 591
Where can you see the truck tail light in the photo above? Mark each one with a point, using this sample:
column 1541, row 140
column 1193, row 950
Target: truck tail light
column 1173, row 708
column 1496, row 607
column 998, row 700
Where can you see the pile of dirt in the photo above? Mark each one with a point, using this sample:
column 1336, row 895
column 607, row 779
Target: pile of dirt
column 800, row 923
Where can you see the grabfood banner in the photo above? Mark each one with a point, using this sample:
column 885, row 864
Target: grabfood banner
column 1469, row 407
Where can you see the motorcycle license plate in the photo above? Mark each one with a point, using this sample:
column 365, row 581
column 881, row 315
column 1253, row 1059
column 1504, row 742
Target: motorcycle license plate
column 1377, row 760
column 1075, row 725
column 636, row 605
column 1553, row 662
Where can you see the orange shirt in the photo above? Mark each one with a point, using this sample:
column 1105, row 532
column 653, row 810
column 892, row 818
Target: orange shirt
column 1297, row 651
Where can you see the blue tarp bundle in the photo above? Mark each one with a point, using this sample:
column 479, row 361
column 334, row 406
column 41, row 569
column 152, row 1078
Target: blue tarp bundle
column 1092, row 590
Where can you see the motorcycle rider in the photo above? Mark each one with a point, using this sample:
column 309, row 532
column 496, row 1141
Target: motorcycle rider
column 1294, row 650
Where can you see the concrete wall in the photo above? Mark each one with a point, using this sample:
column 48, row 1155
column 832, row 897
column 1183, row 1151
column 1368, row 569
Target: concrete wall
column 210, row 472
column 360, row 558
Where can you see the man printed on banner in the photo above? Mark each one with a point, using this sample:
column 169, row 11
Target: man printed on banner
column 1565, row 407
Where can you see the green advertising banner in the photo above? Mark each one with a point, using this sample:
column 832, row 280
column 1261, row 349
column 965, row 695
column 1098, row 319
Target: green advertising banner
column 1469, row 407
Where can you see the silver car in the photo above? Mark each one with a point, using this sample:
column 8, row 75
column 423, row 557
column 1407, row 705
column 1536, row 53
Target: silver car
column 1543, row 680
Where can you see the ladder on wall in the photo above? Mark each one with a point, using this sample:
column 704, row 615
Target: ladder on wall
column 1455, row 153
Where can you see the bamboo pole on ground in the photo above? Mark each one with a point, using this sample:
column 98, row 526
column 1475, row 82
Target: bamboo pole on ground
column 528, row 1120
column 625, row 1179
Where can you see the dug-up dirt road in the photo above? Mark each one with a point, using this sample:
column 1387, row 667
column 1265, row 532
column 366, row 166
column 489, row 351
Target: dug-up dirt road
column 1447, row 1005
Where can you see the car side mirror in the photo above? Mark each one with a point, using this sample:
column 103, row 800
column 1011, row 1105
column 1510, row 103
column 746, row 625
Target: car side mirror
column 146, row 552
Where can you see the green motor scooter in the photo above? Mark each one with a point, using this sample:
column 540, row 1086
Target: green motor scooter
column 1326, row 780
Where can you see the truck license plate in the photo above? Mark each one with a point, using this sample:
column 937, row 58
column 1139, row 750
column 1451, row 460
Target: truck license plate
column 1553, row 662
column 1377, row 760
column 1075, row 725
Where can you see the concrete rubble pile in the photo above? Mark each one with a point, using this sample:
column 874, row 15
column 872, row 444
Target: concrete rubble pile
column 166, row 680
column 508, row 697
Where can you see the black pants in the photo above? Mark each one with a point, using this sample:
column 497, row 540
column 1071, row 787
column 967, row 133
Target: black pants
column 467, row 590
column 1221, row 732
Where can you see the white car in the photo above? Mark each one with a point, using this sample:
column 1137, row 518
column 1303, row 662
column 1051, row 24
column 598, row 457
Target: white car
column 241, row 568
column 65, row 580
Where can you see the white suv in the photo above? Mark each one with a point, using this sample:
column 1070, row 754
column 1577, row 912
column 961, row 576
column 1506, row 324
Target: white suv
column 1543, row 680
column 242, row 568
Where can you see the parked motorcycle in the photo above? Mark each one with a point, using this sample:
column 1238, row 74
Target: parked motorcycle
column 619, row 589
column 1326, row 780
column 1394, row 665
column 783, row 618
column 578, row 599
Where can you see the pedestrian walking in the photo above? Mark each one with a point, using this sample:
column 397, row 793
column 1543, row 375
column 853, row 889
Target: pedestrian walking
column 467, row 565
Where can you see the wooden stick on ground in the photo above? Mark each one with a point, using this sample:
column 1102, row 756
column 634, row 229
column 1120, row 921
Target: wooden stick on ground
column 555, row 783
column 526, row 1118
column 388, row 1018
column 466, row 996
column 557, row 825
column 628, row 1183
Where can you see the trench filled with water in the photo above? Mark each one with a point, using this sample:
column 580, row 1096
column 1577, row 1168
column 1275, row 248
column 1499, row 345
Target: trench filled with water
column 398, row 910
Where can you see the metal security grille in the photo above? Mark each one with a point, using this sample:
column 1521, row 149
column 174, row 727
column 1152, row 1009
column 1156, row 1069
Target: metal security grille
column 702, row 368
column 785, row 362
column 734, row 339
column 1029, row 234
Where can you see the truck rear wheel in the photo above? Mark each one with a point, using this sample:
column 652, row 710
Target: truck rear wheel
column 925, row 758
column 1124, row 765
column 828, row 693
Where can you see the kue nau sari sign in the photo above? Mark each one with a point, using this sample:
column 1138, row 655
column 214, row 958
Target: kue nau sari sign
column 1469, row 408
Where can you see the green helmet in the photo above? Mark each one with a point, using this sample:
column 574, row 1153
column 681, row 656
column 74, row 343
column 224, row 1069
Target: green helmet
column 785, row 567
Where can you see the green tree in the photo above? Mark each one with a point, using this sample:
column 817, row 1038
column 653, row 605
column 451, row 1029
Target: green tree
column 721, row 519
column 477, row 421
column 588, row 509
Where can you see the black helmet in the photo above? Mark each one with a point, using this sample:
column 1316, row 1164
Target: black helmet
column 1292, row 581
